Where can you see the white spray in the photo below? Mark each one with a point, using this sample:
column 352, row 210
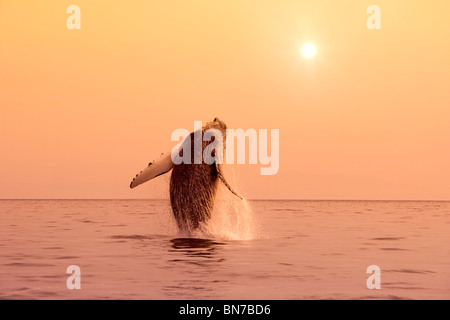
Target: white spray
column 231, row 217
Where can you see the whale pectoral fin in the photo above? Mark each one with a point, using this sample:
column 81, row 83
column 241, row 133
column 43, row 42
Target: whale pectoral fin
column 221, row 177
column 154, row 169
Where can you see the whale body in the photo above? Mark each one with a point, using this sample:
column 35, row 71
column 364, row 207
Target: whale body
column 193, row 186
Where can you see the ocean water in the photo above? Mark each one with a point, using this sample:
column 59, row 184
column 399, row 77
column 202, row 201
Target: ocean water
column 131, row 249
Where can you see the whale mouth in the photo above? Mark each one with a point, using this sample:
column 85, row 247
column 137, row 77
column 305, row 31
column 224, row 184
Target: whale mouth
column 219, row 123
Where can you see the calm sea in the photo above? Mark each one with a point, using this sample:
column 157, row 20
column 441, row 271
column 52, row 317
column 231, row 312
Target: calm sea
column 131, row 249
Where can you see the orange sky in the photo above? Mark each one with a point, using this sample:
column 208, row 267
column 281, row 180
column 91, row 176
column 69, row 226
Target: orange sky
column 82, row 111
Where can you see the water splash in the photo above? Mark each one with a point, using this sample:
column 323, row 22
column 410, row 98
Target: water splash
column 231, row 217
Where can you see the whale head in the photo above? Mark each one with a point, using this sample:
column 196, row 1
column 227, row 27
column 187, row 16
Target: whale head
column 216, row 124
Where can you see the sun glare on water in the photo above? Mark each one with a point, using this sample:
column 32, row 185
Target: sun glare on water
column 309, row 50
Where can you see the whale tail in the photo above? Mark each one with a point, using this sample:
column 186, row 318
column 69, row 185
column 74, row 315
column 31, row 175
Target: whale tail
column 154, row 169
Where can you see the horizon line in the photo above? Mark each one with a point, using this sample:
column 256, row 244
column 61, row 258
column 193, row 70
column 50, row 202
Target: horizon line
column 254, row 199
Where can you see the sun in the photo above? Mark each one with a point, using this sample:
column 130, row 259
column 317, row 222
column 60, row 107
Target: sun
column 309, row 50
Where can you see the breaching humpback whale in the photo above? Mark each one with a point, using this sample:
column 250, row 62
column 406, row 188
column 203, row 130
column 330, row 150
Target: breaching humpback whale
column 193, row 185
